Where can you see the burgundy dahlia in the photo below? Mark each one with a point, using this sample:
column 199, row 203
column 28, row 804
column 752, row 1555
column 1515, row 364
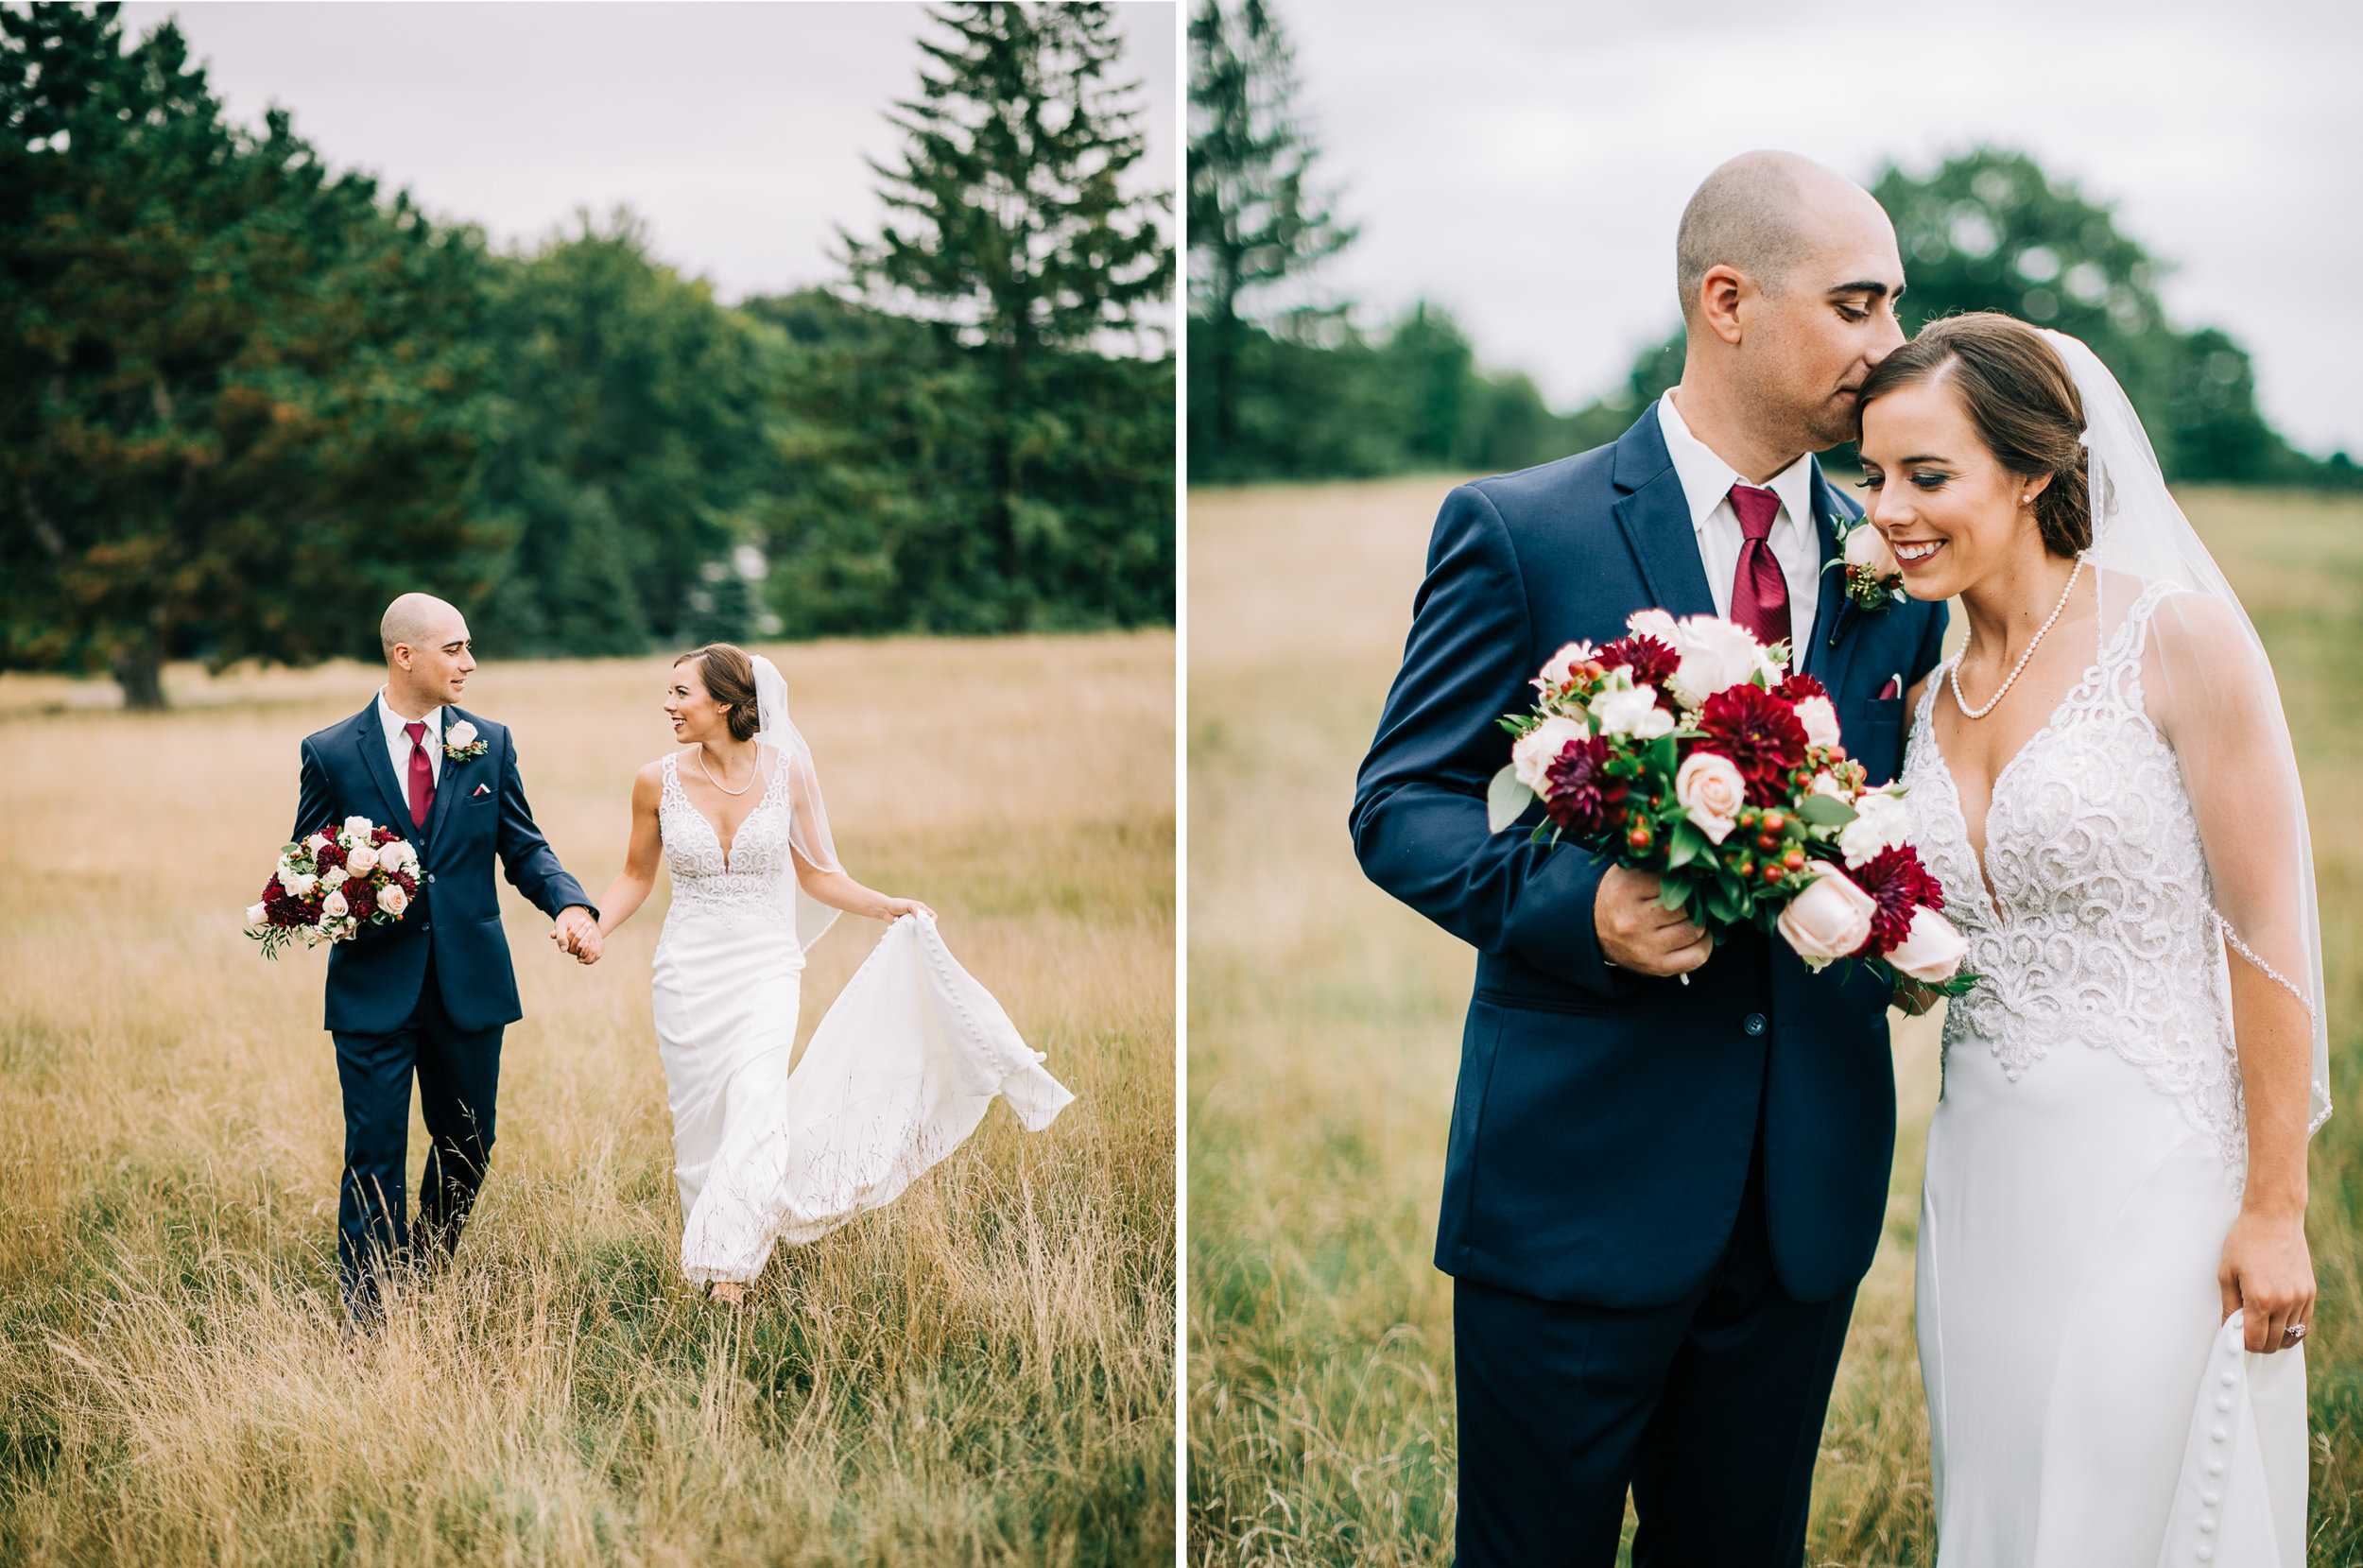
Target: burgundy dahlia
column 1795, row 688
column 1760, row 732
column 1653, row 662
column 1898, row 883
column 1577, row 790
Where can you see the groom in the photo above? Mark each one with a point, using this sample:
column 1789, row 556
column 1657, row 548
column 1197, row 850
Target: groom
column 431, row 993
column 1659, row 1195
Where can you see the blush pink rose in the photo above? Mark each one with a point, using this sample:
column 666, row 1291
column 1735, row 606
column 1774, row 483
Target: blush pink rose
column 1711, row 792
column 1866, row 546
column 1932, row 949
column 1830, row 919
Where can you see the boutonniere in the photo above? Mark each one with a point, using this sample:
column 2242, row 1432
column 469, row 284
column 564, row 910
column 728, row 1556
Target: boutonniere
column 460, row 742
column 1873, row 580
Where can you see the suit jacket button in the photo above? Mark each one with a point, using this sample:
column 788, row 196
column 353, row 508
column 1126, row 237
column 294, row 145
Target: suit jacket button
column 430, row 876
column 1754, row 1024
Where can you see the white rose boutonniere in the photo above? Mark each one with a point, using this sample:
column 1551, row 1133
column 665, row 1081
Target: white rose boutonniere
column 460, row 742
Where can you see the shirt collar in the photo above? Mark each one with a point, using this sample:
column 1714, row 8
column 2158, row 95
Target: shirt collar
column 394, row 721
column 1707, row 479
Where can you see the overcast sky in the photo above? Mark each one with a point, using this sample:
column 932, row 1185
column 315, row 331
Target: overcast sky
column 1526, row 162
column 738, row 131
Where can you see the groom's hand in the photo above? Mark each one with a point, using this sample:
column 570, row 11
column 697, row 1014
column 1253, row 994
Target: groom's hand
column 1640, row 934
column 577, row 933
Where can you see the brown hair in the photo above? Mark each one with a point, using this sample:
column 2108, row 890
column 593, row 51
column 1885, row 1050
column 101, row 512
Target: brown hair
column 2019, row 394
column 730, row 679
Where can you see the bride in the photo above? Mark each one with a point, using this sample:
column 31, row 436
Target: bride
column 899, row 1071
column 2114, row 1286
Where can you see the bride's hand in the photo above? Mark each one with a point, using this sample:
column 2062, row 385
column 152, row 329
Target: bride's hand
column 2267, row 1270
column 897, row 907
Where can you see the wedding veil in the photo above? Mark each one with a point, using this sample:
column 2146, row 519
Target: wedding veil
column 2218, row 701
column 808, row 820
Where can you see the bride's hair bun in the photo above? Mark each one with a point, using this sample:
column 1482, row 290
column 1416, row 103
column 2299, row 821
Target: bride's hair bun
column 729, row 675
column 2021, row 398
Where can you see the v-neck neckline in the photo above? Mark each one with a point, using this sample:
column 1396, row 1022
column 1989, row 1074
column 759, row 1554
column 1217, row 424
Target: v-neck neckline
column 723, row 849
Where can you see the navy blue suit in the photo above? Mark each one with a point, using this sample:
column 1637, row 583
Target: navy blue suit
column 1658, row 1197
column 429, row 993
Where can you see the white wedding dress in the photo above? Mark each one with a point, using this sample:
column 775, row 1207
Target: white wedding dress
column 2086, row 1159
column 899, row 1072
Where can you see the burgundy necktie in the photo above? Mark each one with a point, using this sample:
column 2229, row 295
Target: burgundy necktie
column 1759, row 592
column 423, row 769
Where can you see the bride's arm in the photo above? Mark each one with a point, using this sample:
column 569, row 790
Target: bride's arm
column 2219, row 713
column 632, row 884
column 840, row 891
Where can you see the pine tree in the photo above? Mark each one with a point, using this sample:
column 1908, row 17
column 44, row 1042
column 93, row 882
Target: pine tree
column 239, row 400
column 1252, row 220
column 1011, row 229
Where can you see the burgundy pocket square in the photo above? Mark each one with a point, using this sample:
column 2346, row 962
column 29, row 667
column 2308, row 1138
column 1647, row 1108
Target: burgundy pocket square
column 487, row 789
column 1895, row 688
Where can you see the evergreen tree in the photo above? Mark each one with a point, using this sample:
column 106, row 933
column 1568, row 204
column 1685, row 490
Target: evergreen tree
column 1252, row 220
column 239, row 403
column 631, row 447
column 1011, row 232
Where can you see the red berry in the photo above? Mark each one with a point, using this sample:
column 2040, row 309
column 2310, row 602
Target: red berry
column 1794, row 860
column 1774, row 822
column 1639, row 837
column 1774, row 870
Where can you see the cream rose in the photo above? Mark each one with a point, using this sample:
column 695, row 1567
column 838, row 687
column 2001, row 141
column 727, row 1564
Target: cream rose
column 1654, row 623
column 461, row 734
column 1715, row 655
column 1711, row 793
column 1540, row 747
column 318, row 842
column 298, row 884
column 1820, row 721
column 360, row 861
column 1932, row 949
column 1830, row 919
column 1881, row 822
column 334, row 908
column 357, row 830
column 1866, row 546
column 257, row 919
column 1631, row 711
column 393, row 900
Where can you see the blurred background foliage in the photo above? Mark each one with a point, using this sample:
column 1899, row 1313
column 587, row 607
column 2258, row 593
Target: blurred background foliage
column 246, row 399
column 1302, row 392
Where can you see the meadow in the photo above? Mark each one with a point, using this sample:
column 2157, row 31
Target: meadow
column 1324, row 1038
column 981, row 1374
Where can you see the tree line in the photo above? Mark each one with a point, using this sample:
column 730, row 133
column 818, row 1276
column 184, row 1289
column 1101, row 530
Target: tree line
column 1293, row 391
column 246, row 398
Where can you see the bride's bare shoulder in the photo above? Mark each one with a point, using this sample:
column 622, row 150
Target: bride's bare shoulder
column 648, row 786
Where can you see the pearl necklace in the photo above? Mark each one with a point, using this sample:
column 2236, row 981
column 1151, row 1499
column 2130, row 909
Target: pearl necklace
column 1961, row 702
column 751, row 783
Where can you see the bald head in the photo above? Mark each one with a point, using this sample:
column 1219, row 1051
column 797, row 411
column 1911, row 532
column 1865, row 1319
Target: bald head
column 1765, row 213
column 420, row 620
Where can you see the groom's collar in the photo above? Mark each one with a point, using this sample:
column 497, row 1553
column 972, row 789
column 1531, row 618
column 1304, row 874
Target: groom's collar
column 1707, row 479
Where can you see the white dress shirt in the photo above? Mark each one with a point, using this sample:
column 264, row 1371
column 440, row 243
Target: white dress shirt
column 1707, row 482
column 398, row 747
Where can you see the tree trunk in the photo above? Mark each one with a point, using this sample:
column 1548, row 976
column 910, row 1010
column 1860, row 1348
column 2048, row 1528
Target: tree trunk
column 140, row 671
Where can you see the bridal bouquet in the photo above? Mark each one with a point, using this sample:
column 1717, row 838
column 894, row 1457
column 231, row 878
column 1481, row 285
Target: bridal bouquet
column 334, row 883
column 1687, row 748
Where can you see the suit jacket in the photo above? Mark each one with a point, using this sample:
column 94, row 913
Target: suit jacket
column 1604, row 1121
column 479, row 813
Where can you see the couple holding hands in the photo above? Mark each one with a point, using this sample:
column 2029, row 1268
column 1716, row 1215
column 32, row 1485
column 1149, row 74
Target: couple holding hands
column 898, row 1072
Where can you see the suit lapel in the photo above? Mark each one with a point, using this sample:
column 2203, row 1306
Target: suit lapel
column 1834, row 615
column 1655, row 516
column 369, row 737
column 450, row 783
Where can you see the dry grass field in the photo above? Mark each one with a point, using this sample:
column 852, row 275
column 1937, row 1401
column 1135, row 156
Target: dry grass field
column 982, row 1373
column 1325, row 1028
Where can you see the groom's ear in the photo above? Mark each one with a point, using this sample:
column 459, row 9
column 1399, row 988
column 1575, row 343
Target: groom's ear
column 1721, row 293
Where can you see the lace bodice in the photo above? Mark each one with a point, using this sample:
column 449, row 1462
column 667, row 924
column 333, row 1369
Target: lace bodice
column 749, row 886
column 2100, row 929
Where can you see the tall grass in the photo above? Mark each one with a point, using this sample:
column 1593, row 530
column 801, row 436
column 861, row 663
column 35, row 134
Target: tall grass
column 980, row 1373
column 1325, row 1024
